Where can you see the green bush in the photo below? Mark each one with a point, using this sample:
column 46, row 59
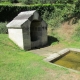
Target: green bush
column 76, row 34
column 77, row 30
column 37, row 1
column 3, row 29
column 12, row 1
column 8, row 12
column 60, row 14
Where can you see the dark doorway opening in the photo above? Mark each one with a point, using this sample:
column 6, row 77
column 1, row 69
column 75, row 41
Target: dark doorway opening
column 34, row 30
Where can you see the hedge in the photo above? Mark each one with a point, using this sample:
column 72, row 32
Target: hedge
column 8, row 12
column 3, row 28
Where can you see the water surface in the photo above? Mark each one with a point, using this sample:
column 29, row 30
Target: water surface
column 70, row 60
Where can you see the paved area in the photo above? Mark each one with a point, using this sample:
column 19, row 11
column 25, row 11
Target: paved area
column 47, row 51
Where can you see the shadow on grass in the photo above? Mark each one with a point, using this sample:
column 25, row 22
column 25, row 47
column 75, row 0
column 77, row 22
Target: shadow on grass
column 52, row 39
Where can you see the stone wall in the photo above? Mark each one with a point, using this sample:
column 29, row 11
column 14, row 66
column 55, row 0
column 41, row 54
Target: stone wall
column 26, row 39
column 44, row 33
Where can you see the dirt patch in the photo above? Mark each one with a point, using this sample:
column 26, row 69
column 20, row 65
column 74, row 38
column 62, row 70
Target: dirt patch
column 60, row 75
column 66, row 30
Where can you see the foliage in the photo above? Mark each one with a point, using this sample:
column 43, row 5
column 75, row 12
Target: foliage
column 12, row 11
column 41, row 1
column 66, row 1
column 3, row 29
column 30, row 1
column 12, row 1
column 53, row 14
column 56, row 17
column 76, row 35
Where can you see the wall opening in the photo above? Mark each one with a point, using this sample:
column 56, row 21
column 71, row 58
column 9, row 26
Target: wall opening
column 34, row 30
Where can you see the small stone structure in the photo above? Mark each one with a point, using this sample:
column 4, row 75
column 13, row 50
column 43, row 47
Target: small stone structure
column 28, row 30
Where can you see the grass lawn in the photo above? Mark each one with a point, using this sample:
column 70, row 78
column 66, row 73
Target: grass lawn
column 16, row 64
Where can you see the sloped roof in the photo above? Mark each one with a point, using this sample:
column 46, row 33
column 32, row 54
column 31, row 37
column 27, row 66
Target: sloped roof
column 20, row 19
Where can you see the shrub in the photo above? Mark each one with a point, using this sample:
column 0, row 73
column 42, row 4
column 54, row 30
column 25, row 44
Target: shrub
column 12, row 11
column 76, row 34
column 3, row 29
column 37, row 1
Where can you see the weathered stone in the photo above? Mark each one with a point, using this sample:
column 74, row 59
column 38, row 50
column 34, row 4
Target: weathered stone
column 74, row 49
column 52, row 57
column 28, row 30
column 63, row 51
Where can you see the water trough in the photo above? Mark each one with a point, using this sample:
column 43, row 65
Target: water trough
column 69, row 57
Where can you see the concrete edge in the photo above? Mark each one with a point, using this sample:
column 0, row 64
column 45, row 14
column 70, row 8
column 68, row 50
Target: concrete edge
column 74, row 49
column 52, row 57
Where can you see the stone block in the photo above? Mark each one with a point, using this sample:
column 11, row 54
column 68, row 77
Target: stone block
column 64, row 51
column 52, row 57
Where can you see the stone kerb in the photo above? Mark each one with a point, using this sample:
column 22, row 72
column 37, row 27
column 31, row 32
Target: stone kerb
column 52, row 57
column 74, row 49
column 56, row 55
column 64, row 51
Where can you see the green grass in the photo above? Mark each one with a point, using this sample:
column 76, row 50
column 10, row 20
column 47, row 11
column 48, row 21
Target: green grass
column 5, row 3
column 17, row 64
column 3, row 28
column 73, row 44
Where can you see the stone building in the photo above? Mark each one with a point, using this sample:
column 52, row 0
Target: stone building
column 28, row 30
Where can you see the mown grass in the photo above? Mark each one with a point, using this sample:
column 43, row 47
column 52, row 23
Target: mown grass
column 17, row 64
column 72, row 43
